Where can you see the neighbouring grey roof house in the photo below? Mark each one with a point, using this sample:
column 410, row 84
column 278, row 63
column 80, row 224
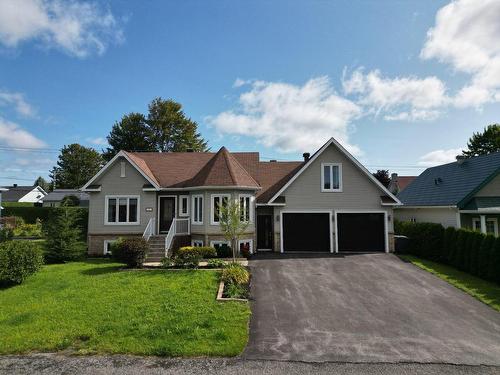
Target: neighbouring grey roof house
column 462, row 194
column 55, row 197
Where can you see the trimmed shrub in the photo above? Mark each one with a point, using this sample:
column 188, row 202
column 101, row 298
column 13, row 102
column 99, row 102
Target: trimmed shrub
column 457, row 260
column 6, row 234
column 63, row 234
column 449, row 244
column 485, row 256
column 494, row 264
column 18, row 260
column 235, row 274
column 426, row 239
column 203, row 251
column 473, row 266
column 131, row 251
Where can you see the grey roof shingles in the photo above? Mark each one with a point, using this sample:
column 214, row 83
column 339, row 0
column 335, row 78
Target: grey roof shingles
column 14, row 193
column 449, row 184
column 59, row 194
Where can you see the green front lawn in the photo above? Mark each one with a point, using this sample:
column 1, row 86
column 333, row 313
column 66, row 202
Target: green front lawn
column 92, row 307
column 484, row 291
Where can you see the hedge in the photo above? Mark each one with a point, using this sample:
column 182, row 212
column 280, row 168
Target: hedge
column 469, row 251
column 30, row 214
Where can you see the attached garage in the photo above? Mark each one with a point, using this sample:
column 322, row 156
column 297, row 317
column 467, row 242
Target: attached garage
column 306, row 231
column 361, row 231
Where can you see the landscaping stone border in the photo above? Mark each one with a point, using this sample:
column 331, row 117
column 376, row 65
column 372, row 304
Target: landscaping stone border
column 224, row 299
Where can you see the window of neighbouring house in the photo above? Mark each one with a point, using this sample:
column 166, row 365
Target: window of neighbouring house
column 492, row 226
column 476, row 224
column 197, row 208
column 122, row 210
column 197, row 243
column 218, row 201
column 331, row 177
column 184, row 205
column 246, row 207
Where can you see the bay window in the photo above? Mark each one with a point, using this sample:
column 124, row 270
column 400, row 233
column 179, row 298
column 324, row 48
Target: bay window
column 197, row 208
column 246, row 214
column 218, row 201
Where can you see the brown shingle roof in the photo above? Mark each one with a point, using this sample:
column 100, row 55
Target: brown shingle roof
column 224, row 168
column 404, row 181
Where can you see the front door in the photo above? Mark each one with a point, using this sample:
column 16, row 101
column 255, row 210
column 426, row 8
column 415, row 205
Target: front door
column 264, row 232
column 167, row 213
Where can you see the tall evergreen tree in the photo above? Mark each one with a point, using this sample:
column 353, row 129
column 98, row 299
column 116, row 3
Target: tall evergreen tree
column 383, row 176
column 482, row 143
column 63, row 236
column 165, row 128
column 172, row 129
column 131, row 133
column 75, row 166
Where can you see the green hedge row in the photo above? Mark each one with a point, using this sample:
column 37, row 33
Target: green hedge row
column 30, row 214
column 469, row 251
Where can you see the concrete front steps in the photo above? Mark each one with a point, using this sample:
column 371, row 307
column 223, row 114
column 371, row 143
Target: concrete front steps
column 156, row 248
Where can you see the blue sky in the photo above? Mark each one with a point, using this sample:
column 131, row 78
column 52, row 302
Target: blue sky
column 401, row 84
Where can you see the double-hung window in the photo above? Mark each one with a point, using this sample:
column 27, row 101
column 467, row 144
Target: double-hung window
column 218, row 201
column 122, row 209
column 331, row 177
column 197, row 208
column 246, row 213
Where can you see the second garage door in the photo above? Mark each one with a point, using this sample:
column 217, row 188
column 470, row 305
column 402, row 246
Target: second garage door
column 361, row 231
column 306, row 232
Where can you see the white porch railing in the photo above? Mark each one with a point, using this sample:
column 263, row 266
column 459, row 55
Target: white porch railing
column 150, row 229
column 178, row 227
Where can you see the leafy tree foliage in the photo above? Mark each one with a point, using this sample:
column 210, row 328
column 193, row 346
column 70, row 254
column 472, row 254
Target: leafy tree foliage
column 43, row 183
column 76, row 165
column 166, row 128
column 231, row 224
column 383, row 176
column 483, row 143
column 70, row 201
column 131, row 133
column 63, row 236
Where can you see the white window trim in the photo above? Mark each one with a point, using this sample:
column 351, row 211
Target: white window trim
column 181, row 198
column 252, row 205
column 122, row 169
column 323, row 190
column 212, row 206
column 219, row 242
column 106, row 207
column 494, row 220
column 249, row 240
column 194, row 242
column 193, row 197
column 106, row 242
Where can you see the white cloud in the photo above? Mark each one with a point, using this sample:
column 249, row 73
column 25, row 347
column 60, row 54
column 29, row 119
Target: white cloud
column 78, row 28
column 290, row 117
column 13, row 135
column 400, row 98
column 16, row 99
column 466, row 35
column 439, row 157
column 99, row 141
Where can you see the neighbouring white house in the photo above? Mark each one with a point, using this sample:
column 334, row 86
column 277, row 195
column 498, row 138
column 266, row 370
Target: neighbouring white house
column 24, row 194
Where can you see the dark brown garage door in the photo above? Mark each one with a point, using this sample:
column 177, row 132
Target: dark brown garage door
column 306, row 232
column 361, row 232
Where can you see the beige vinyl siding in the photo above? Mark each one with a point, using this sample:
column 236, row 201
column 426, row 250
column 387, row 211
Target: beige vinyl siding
column 492, row 189
column 112, row 184
column 358, row 191
column 446, row 216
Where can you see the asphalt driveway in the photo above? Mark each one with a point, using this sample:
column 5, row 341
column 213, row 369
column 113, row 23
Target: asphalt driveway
column 365, row 308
